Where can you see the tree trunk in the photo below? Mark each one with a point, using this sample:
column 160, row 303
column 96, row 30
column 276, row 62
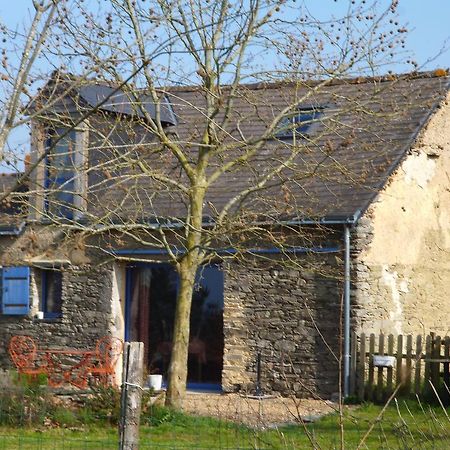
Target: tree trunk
column 187, row 270
column 179, row 359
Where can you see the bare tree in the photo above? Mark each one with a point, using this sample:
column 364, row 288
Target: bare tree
column 196, row 126
column 31, row 53
column 21, row 55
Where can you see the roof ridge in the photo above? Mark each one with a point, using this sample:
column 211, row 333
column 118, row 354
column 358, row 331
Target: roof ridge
column 437, row 73
column 388, row 77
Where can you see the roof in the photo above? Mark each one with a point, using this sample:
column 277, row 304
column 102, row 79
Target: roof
column 118, row 101
column 368, row 126
column 111, row 98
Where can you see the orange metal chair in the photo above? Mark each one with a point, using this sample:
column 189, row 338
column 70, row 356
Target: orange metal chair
column 108, row 349
column 23, row 352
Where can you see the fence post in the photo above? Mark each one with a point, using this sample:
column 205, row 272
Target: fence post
column 408, row 365
column 446, row 389
column 399, row 375
column 435, row 365
column 370, row 387
column 427, row 364
column 418, row 367
column 362, row 367
column 390, row 370
column 380, row 369
column 130, row 411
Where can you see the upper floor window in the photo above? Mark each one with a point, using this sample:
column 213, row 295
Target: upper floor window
column 61, row 173
column 300, row 122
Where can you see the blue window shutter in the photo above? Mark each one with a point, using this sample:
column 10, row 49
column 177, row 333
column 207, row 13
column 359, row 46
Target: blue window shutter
column 15, row 290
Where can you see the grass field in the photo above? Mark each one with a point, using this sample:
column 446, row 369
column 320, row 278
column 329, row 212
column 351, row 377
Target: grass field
column 403, row 426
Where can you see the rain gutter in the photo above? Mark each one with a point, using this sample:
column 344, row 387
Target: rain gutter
column 229, row 251
column 12, row 231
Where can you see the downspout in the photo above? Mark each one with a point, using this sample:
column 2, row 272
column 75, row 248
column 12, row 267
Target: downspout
column 347, row 311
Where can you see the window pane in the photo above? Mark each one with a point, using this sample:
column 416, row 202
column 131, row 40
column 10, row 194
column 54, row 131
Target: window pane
column 299, row 123
column 305, row 119
column 62, row 155
column 61, row 172
column 52, row 292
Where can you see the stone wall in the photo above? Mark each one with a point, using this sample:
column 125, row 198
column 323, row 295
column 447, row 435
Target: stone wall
column 291, row 316
column 86, row 312
column 402, row 244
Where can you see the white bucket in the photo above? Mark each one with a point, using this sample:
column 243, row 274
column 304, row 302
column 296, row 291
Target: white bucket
column 154, row 382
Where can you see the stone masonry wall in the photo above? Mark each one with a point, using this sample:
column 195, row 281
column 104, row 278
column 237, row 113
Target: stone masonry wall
column 401, row 246
column 86, row 313
column 290, row 315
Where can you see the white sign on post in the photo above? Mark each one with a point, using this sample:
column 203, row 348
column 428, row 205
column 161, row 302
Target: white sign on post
column 384, row 361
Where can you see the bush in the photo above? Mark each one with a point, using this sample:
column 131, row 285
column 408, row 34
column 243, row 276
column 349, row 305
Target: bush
column 28, row 402
column 103, row 404
column 156, row 415
column 63, row 416
column 25, row 402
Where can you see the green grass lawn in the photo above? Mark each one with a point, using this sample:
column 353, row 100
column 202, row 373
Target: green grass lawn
column 410, row 426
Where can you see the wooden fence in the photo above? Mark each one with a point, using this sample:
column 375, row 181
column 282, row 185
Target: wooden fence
column 416, row 365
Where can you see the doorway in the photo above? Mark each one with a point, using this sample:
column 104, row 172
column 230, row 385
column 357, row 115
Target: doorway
column 150, row 311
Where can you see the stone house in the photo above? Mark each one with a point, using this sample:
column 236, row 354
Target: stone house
column 368, row 228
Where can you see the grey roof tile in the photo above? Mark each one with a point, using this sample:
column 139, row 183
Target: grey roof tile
column 367, row 128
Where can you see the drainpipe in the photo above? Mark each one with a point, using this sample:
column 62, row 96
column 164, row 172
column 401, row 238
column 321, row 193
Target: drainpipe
column 347, row 311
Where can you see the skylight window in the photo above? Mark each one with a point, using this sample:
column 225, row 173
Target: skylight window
column 299, row 123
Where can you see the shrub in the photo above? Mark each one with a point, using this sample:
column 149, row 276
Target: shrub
column 103, row 404
column 28, row 402
column 157, row 415
column 25, row 402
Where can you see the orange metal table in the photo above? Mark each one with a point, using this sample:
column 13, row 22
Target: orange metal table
column 78, row 372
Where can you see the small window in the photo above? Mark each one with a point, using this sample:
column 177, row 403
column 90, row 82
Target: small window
column 61, row 171
column 51, row 300
column 300, row 123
